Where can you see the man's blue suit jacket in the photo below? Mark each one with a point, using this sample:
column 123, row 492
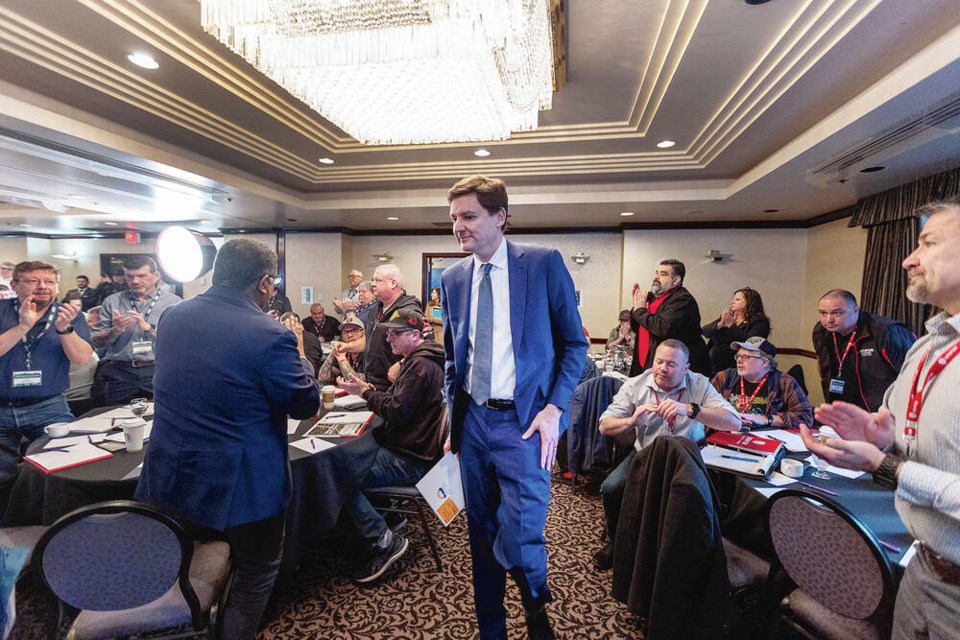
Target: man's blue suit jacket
column 227, row 375
column 548, row 342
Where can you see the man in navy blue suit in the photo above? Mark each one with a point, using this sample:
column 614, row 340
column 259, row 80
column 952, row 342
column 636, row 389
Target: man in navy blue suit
column 218, row 449
column 514, row 351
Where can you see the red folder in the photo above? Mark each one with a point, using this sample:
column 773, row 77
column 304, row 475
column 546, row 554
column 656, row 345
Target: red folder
column 746, row 442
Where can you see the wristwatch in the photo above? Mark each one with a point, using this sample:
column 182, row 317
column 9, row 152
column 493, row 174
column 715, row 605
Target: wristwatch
column 694, row 410
column 770, row 420
column 886, row 473
column 69, row 329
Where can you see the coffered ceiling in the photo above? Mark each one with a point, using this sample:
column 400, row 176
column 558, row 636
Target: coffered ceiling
column 772, row 107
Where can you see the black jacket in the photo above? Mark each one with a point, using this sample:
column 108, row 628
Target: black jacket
column 669, row 564
column 720, row 339
column 677, row 317
column 378, row 356
column 413, row 407
column 871, row 366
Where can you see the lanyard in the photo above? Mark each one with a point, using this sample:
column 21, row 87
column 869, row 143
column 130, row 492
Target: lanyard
column 840, row 358
column 146, row 314
column 741, row 406
column 29, row 343
column 917, row 396
column 657, row 396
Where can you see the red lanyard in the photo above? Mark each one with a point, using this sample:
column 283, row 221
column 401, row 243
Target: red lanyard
column 917, row 396
column 657, row 396
column 740, row 404
column 840, row 358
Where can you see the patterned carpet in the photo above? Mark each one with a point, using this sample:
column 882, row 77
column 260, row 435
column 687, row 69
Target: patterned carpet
column 414, row 601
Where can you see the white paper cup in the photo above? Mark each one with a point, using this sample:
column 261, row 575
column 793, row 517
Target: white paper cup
column 791, row 468
column 329, row 394
column 133, row 434
column 57, row 429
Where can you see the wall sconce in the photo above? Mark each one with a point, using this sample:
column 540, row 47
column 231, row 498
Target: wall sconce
column 383, row 257
column 580, row 258
column 713, row 255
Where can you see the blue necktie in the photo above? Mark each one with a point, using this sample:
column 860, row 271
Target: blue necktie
column 483, row 341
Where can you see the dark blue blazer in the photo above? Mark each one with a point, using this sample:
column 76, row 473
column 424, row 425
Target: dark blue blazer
column 227, row 375
column 548, row 342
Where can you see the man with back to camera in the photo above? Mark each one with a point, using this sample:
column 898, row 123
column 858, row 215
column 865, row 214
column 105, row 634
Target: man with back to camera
column 128, row 328
column 910, row 445
column 39, row 339
column 514, row 349
column 668, row 310
column 858, row 354
column 667, row 399
column 390, row 298
column 218, row 450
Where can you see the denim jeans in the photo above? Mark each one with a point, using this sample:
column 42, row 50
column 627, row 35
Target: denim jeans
column 388, row 469
column 26, row 422
column 257, row 548
column 611, row 491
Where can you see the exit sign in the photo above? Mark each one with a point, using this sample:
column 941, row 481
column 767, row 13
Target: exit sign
column 132, row 237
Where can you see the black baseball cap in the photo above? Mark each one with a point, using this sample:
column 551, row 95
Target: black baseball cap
column 409, row 319
column 756, row 343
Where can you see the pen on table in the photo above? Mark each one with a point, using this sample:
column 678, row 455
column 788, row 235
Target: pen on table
column 313, row 444
column 887, row 545
column 813, row 486
column 743, row 458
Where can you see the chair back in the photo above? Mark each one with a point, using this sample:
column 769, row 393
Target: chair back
column 829, row 554
column 587, row 448
column 116, row 555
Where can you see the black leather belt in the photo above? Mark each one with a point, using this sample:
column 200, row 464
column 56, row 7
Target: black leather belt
column 21, row 402
column 500, row 405
column 945, row 570
column 136, row 364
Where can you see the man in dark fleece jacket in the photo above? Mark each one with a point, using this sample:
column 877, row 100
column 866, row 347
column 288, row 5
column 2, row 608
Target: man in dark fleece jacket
column 411, row 442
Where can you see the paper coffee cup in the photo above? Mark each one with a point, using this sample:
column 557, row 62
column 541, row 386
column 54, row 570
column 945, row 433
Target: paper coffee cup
column 133, row 434
column 791, row 468
column 328, row 394
column 57, row 429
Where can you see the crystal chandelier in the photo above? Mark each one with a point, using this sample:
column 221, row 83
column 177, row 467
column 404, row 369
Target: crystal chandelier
column 400, row 71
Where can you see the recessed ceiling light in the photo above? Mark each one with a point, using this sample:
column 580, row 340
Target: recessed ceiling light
column 325, row 160
column 771, row 210
column 481, row 153
column 665, row 144
column 392, row 218
column 143, row 60
column 872, row 169
column 206, row 221
column 111, row 224
column 626, row 214
column 22, row 224
column 76, row 196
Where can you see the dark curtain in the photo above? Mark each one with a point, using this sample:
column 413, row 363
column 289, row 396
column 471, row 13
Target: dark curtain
column 892, row 232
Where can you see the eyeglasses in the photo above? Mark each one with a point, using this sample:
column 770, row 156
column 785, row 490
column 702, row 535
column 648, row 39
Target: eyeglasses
column 393, row 333
column 740, row 357
column 274, row 280
column 32, row 282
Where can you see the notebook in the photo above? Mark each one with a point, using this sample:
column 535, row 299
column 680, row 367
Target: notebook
column 742, row 453
column 344, row 424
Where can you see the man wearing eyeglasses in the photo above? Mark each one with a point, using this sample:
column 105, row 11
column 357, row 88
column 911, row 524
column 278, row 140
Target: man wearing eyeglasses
column 39, row 338
column 858, row 354
column 411, row 441
column 667, row 399
column 761, row 394
column 128, row 329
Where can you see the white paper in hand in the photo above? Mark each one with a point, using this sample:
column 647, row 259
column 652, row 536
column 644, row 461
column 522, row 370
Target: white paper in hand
column 442, row 488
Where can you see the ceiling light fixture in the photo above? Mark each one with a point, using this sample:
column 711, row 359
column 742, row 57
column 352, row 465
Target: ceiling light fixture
column 392, row 218
column 143, row 60
column 481, row 153
column 665, row 144
column 325, row 160
column 111, row 224
column 627, row 214
column 381, row 70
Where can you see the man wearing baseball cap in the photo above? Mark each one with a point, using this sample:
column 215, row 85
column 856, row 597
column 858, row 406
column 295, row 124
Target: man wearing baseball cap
column 411, row 441
column 341, row 362
column 622, row 336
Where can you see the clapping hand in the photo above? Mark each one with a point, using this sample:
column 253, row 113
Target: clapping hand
column 28, row 313
column 66, row 315
column 726, row 318
column 121, row 322
column 639, row 297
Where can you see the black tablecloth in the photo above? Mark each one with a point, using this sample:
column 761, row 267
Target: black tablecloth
column 321, row 482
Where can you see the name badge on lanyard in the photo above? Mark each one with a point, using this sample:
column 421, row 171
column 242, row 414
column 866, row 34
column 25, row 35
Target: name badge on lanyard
column 142, row 347
column 836, row 386
column 27, row 379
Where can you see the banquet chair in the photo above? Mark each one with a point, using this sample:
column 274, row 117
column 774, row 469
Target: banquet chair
column 586, row 448
column 407, row 501
column 131, row 569
column 845, row 586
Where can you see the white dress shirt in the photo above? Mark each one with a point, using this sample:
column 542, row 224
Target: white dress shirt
column 503, row 371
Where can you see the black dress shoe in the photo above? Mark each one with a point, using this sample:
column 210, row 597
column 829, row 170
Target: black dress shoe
column 538, row 626
column 603, row 558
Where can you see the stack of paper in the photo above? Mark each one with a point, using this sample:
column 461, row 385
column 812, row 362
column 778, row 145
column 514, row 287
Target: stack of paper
column 102, row 422
column 63, row 453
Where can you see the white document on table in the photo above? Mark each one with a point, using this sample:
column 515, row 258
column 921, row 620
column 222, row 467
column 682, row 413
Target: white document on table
column 312, row 445
column 292, row 426
column 134, row 473
column 791, row 441
column 102, row 422
column 442, row 488
column 777, row 479
column 829, row 468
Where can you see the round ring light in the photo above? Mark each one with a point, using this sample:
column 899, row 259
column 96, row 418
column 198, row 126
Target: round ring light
column 184, row 255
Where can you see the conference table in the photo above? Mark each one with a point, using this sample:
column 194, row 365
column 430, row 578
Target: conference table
column 321, row 481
